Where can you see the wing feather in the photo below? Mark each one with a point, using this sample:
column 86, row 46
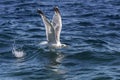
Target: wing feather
column 50, row 31
column 57, row 23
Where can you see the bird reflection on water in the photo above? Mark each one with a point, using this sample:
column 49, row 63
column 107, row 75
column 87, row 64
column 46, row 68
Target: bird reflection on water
column 55, row 60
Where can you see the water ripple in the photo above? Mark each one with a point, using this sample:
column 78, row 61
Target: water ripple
column 90, row 29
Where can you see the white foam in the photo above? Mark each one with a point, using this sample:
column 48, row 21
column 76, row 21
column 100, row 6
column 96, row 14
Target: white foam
column 18, row 53
column 43, row 43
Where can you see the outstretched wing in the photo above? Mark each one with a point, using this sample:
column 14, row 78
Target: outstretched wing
column 57, row 23
column 50, row 32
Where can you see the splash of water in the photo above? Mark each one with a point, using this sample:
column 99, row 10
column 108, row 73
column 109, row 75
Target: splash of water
column 17, row 53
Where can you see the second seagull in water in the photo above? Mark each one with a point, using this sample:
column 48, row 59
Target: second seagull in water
column 53, row 29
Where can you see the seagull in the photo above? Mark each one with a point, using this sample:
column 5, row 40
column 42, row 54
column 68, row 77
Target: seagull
column 53, row 29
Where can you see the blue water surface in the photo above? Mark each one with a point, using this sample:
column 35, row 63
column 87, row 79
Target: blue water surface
column 91, row 29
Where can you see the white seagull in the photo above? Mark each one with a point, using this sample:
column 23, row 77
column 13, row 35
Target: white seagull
column 53, row 29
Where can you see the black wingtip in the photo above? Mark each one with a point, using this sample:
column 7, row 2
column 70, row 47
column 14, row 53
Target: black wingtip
column 56, row 9
column 39, row 11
